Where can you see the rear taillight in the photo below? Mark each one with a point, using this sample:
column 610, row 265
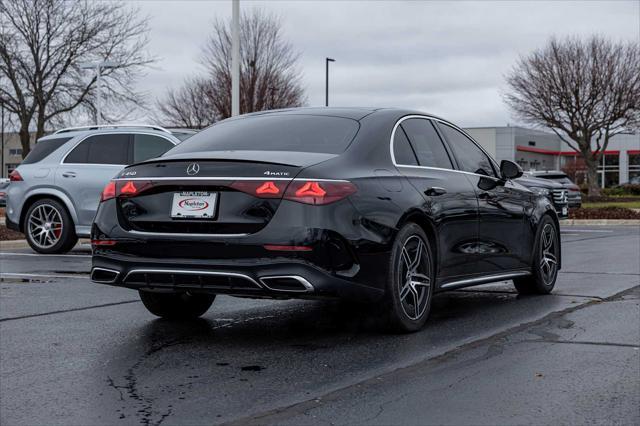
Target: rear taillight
column 319, row 192
column 129, row 188
column 260, row 188
column 302, row 191
column 126, row 188
column 14, row 176
column 108, row 192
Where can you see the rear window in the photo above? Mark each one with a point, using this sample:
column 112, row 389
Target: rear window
column 112, row 148
column 299, row 133
column 43, row 148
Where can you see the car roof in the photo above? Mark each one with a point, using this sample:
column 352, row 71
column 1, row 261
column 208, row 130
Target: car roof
column 73, row 132
column 182, row 130
column 528, row 178
column 549, row 173
column 355, row 113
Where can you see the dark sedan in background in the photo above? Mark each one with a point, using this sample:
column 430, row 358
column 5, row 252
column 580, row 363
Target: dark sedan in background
column 554, row 191
column 379, row 205
column 574, row 196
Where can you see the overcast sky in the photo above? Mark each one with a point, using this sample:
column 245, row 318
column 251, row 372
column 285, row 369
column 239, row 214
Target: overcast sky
column 443, row 57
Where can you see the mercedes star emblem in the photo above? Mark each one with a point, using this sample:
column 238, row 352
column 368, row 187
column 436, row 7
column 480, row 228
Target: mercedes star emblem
column 193, row 169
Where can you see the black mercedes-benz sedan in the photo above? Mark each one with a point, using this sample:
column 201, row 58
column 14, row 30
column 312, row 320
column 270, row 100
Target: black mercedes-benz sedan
column 383, row 206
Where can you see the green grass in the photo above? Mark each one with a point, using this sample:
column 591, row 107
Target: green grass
column 625, row 204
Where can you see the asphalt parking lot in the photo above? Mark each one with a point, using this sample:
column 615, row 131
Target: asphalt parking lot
column 73, row 352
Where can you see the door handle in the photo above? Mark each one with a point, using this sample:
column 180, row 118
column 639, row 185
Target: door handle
column 486, row 196
column 435, row 191
column 69, row 174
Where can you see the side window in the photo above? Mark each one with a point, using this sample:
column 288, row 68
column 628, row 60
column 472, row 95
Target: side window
column 43, row 148
column 426, row 143
column 101, row 149
column 149, row 146
column 470, row 157
column 402, row 150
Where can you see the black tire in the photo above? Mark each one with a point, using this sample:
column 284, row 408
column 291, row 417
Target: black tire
column 48, row 227
column 176, row 305
column 407, row 305
column 545, row 261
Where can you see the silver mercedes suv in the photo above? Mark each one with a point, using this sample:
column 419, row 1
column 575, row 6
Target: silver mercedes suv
column 55, row 192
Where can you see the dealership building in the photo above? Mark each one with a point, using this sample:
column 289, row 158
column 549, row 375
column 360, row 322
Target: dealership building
column 532, row 149
column 538, row 150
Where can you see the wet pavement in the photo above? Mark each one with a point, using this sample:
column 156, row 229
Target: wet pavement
column 73, row 352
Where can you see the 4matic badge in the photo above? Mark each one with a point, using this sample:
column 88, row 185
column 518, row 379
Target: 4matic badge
column 270, row 173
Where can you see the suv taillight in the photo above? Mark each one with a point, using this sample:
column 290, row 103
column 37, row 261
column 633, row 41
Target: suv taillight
column 14, row 176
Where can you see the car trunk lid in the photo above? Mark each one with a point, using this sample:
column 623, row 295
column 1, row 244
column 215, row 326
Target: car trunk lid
column 223, row 193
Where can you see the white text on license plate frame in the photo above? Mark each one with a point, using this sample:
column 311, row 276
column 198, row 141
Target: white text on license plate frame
column 194, row 205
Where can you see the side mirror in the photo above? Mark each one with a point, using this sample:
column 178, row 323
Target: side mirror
column 510, row 170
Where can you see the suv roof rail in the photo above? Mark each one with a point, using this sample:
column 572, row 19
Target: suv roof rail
column 111, row 126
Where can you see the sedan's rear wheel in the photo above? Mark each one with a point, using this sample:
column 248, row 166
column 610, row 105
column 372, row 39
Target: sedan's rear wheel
column 545, row 261
column 176, row 305
column 410, row 281
column 49, row 228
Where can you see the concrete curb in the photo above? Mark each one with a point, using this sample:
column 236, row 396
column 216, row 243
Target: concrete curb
column 600, row 222
column 13, row 244
column 20, row 244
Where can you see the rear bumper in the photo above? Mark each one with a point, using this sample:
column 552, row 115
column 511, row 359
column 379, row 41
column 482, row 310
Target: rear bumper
column 258, row 278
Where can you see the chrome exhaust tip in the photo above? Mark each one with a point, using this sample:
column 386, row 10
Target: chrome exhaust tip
column 287, row 283
column 104, row 275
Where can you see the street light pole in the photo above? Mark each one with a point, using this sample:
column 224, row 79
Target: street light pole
column 326, row 85
column 99, row 66
column 235, row 58
column 2, row 143
column 98, row 99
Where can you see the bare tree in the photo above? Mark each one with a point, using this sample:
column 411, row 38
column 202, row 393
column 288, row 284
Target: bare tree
column 269, row 77
column 585, row 91
column 189, row 106
column 43, row 44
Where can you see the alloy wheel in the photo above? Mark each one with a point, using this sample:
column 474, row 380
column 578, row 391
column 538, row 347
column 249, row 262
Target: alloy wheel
column 548, row 254
column 414, row 282
column 45, row 226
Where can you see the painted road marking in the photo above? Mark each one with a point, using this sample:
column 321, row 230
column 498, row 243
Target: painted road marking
column 6, row 253
column 592, row 231
column 28, row 275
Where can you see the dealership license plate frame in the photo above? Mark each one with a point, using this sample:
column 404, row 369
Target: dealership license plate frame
column 207, row 213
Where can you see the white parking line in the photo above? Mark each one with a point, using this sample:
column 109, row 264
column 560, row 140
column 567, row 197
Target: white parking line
column 27, row 276
column 6, row 253
column 591, row 231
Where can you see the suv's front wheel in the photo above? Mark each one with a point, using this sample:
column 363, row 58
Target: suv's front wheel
column 49, row 228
